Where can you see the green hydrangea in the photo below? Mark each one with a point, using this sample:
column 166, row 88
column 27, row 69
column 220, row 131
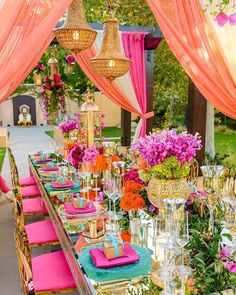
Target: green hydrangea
column 171, row 168
column 145, row 175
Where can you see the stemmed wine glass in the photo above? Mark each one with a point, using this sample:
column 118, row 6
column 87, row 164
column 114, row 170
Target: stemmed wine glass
column 182, row 240
column 83, row 174
column 165, row 242
column 95, row 173
column 108, row 189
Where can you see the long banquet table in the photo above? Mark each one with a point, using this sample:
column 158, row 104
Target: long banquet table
column 84, row 285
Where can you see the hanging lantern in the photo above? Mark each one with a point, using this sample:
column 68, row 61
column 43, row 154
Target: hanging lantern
column 53, row 66
column 111, row 62
column 76, row 34
column 38, row 79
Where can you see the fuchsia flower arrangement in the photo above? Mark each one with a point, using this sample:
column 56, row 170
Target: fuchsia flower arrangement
column 90, row 154
column 76, row 154
column 133, row 174
column 67, row 126
column 70, row 59
column 222, row 19
column 167, row 154
column 53, row 96
column 155, row 148
column 227, row 256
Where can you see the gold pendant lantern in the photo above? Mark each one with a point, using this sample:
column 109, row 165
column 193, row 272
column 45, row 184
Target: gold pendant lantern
column 110, row 62
column 76, row 34
column 53, row 66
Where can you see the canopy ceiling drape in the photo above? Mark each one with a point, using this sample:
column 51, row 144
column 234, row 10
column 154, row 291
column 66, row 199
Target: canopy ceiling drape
column 203, row 49
column 26, row 32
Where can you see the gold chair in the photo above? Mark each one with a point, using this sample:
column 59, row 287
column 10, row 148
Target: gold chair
column 194, row 172
column 39, row 275
column 39, row 233
column 30, row 191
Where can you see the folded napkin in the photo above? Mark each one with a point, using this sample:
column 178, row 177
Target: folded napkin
column 46, row 168
column 71, row 209
column 100, row 260
column 68, row 184
column 39, row 160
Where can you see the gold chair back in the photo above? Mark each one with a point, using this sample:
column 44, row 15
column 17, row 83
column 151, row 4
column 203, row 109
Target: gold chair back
column 24, row 263
column 18, row 214
column 14, row 171
column 194, row 172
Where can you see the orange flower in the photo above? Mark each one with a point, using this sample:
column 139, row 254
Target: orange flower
column 115, row 158
column 125, row 236
column 102, row 162
column 92, row 195
column 70, row 145
column 132, row 186
column 131, row 201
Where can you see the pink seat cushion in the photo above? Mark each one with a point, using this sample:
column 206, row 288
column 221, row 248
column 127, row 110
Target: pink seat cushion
column 26, row 181
column 51, row 272
column 32, row 206
column 41, row 232
column 30, row 191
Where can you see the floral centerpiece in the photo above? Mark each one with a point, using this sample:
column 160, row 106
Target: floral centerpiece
column 164, row 161
column 67, row 126
column 53, row 96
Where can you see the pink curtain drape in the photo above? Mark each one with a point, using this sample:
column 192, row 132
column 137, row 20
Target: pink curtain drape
column 133, row 44
column 185, row 27
column 28, row 31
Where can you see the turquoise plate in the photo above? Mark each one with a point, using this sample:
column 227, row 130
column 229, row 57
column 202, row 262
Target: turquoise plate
column 129, row 271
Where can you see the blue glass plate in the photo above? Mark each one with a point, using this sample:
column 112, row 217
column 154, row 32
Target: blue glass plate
column 75, row 188
column 129, row 271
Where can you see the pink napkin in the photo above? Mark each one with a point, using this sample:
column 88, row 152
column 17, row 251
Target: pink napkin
column 71, row 209
column 45, row 168
column 43, row 160
column 65, row 185
column 100, row 260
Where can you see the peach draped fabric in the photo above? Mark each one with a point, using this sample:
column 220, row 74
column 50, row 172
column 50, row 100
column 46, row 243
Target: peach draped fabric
column 26, row 32
column 194, row 43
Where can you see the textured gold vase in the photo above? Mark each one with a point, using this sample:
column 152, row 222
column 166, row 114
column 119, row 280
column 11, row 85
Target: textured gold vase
column 159, row 189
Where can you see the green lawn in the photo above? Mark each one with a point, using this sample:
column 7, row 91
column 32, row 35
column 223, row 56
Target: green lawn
column 2, row 156
column 226, row 144
column 50, row 133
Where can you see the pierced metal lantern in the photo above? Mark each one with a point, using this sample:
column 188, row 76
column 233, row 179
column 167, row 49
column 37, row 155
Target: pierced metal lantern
column 111, row 62
column 90, row 120
column 75, row 35
column 53, row 66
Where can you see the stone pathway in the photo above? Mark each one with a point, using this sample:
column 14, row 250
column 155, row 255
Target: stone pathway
column 22, row 141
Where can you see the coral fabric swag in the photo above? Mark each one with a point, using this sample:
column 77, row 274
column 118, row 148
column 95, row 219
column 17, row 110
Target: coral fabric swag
column 197, row 43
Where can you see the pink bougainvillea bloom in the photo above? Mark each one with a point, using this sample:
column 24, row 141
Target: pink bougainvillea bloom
column 224, row 253
column 70, row 59
column 232, row 19
column 221, row 18
column 231, row 266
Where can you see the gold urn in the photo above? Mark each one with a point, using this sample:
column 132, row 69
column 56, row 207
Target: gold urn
column 160, row 189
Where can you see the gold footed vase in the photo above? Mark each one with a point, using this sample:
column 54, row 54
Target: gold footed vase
column 160, row 189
